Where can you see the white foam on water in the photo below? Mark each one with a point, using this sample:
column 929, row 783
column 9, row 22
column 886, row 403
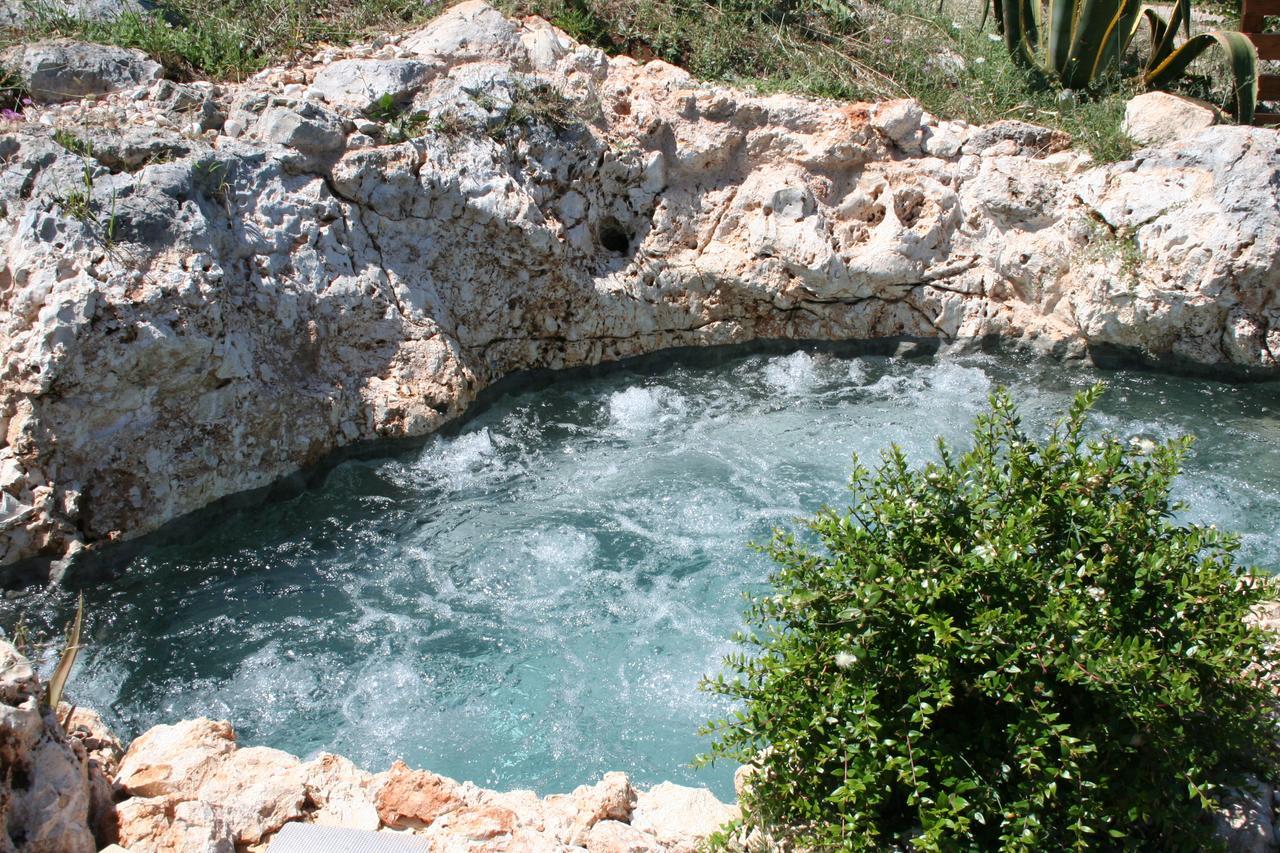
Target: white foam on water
column 639, row 408
column 468, row 460
column 532, row 601
column 792, row 374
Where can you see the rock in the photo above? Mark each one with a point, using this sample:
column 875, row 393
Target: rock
column 463, row 828
column 612, row 798
column 16, row 14
column 1026, row 140
column 251, row 792
column 175, row 760
column 1245, row 822
column 471, row 30
column 44, row 789
column 168, row 825
column 103, row 752
column 290, row 290
column 612, row 836
column 341, row 793
column 64, row 70
column 188, row 104
column 1153, row 118
column 413, row 799
column 359, row 83
column 680, row 817
column 255, row 791
column 306, row 128
column 899, row 121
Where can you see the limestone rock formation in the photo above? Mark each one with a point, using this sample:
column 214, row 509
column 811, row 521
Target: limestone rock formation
column 227, row 283
column 44, row 789
column 189, row 787
column 65, row 70
column 1153, row 118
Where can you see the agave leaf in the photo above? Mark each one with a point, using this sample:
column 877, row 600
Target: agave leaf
column 1019, row 31
column 1116, row 39
column 1160, row 50
column 1096, row 19
column 1242, row 58
column 58, row 681
column 1031, row 12
column 992, row 6
column 1061, row 22
column 1158, row 28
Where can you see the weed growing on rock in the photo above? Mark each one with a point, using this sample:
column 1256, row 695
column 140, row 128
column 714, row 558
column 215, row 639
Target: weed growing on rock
column 1011, row 648
column 532, row 103
column 400, row 123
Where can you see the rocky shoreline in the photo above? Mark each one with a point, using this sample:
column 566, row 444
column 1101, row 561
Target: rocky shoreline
column 71, row 787
column 207, row 287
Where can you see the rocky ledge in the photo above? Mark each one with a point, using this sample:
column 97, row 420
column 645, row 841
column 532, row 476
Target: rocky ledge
column 204, row 288
column 188, row 788
column 69, row 786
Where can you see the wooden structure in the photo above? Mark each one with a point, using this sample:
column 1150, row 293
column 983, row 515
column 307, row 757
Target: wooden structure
column 1252, row 15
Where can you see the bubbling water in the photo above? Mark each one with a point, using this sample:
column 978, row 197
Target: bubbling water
column 531, row 600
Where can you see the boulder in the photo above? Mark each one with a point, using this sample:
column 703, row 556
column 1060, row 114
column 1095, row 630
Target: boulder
column 175, row 760
column 360, row 83
column 65, row 70
column 245, row 794
column 340, row 793
column 680, row 817
column 612, row 836
column 612, row 798
column 170, row 825
column 1153, row 118
column 899, row 121
column 470, row 31
column 255, row 790
column 413, row 799
column 44, row 789
column 307, row 128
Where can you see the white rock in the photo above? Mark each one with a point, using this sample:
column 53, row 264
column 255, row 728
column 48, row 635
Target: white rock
column 680, row 817
column 358, row 83
column 64, row 70
column 1157, row 117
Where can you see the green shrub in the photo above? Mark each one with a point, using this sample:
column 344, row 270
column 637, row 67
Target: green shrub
column 1013, row 648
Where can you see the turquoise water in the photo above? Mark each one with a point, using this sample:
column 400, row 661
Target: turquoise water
column 530, row 600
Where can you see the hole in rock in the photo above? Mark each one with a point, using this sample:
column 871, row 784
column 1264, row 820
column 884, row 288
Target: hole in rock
column 614, row 236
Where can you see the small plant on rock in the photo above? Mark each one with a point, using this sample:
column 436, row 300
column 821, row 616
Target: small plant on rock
column 400, row 123
column 533, row 103
column 1011, row 648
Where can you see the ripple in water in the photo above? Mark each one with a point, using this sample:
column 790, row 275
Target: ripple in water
column 531, row 602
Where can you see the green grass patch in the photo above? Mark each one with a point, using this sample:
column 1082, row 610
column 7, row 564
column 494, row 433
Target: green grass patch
column 231, row 39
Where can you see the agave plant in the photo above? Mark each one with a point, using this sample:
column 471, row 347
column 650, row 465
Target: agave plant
column 1081, row 40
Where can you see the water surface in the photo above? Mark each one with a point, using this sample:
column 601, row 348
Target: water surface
column 530, row 601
